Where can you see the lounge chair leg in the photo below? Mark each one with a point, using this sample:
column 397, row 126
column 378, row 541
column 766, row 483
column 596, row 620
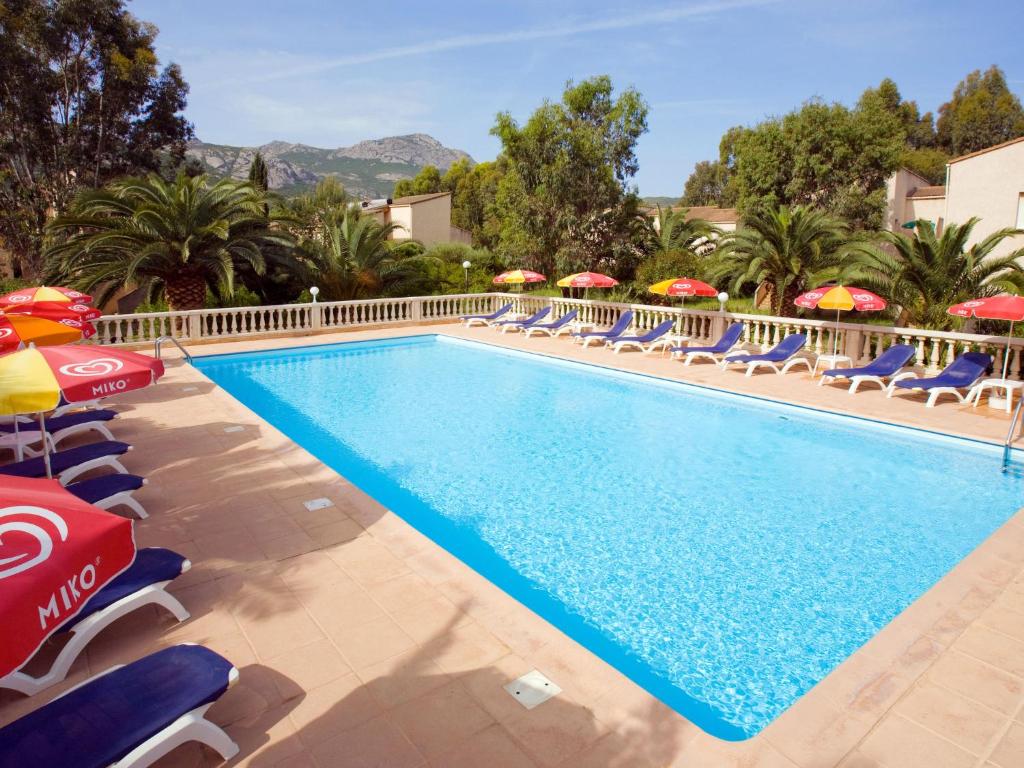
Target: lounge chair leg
column 124, row 499
column 87, row 629
column 189, row 727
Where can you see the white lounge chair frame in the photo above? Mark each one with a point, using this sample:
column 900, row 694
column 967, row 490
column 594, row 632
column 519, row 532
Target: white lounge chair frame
column 933, row 394
column 71, row 473
column 858, row 379
column 645, row 347
column 192, row 726
column 714, row 357
column 85, row 630
column 551, row 332
column 753, row 365
column 469, row 322
column 125, row 499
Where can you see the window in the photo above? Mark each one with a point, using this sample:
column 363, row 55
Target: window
column 1020, row 211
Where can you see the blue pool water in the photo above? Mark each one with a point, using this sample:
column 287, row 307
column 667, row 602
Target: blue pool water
column 723, row 552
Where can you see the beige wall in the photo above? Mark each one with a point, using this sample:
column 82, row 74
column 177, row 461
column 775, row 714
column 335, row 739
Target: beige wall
column 932, row 209
column 401, row 215
column 897, row 187
column 989, row 186
column 432, row 220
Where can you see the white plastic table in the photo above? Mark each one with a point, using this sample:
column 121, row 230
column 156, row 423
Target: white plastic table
column 668, row 341
column 831, row 361
column 1008, row 386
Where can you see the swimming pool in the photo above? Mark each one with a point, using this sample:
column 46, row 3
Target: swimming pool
column 724, row 552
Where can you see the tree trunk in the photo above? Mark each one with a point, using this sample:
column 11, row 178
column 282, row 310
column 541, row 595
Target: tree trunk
column 185, row 291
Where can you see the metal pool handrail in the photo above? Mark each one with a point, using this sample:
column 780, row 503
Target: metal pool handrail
column 175, row 342
column 1009, row 434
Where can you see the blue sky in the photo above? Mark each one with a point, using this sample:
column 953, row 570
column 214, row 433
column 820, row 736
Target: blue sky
column 330, row 74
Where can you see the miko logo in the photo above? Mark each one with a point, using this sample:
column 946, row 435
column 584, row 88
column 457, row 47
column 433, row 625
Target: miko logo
column 5, row 332
column 29, row 520
column 19, row 298
column 101, row 366
column 79, row 308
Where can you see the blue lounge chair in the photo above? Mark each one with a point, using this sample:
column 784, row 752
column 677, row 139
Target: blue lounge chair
column 555, row 327
column 715, row 352
column 72, row 462
column 887, row 364
column 110, row 491
column 469, row 320
column 71, row 424
column 519, row 325
column 783, row 352
column 645, row 342
column 127, row 716
column 616, row 330
column 144, row 582
column 958, row 375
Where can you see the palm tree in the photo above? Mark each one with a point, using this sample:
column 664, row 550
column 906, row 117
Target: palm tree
column 177, row 238
column 353, row 258
column 788, row 250
column 925, row 274
column 675, row 233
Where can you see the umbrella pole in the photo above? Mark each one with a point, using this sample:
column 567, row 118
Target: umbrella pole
column 18, row 452
column 1006, row 355
column 46, row 449
column 835, row 339
column 682, row 305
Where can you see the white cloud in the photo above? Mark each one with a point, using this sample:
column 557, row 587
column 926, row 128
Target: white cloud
column 651, row 18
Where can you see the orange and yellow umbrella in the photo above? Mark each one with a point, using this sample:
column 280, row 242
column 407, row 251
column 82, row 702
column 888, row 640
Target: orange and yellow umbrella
column 518, row 277
column 20, row 330
column 44, row 293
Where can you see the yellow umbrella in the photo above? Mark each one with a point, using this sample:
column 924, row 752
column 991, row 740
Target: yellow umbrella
column 841, row 299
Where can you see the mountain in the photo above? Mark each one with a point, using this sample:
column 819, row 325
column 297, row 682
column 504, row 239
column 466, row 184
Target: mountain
column 368, row 169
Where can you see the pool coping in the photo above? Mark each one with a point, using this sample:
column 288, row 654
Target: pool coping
column 850, row 717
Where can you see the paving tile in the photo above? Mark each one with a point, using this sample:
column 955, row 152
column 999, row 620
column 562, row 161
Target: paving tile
column 468, row 647
column 995, row 648
column 311, row 665
column 899, row 742
column 555, row 731
column 959, row 720
column 441, row 719
column 492, row 747
column 976, row 680
column 333, row 708
column 372, row 642
column 1009, row 752
column 375, row 744
column 404, row 677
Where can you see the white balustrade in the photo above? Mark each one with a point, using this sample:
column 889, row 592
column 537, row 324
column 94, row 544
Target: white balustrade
column 933, row 349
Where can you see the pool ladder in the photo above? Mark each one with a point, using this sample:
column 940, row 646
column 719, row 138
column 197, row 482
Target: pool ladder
column 160, row 340
column 1007, row 451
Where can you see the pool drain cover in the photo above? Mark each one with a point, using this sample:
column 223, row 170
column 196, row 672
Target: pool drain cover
column 315, row 504
column 532, row 689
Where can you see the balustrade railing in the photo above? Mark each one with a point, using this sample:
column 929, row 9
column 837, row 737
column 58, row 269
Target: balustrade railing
column 934, row 349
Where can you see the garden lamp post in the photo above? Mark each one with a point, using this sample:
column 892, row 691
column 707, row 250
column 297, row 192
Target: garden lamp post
column 465, row 266
column 314, row 292
column 722, row 298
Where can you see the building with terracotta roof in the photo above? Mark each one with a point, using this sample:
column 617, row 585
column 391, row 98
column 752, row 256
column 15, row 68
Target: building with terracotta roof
column 427, row 218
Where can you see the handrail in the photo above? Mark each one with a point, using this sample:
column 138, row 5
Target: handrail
column 175, row 342
column 1009, row 434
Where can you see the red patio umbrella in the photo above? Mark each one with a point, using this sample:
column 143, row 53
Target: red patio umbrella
column 44, row 293
column 56, row 552
column 588, row 280
column 54, row 310
column 1002, row 307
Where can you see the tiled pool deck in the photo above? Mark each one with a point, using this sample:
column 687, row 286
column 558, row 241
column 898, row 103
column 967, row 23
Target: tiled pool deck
column 362, row 643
